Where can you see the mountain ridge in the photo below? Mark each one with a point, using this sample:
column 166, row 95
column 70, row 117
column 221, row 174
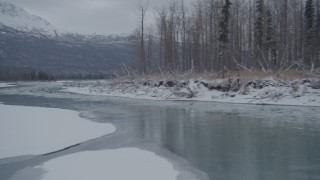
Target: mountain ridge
column 16, row 17
column 65, row 54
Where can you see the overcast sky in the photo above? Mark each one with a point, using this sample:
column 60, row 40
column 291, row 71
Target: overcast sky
column 89, row 16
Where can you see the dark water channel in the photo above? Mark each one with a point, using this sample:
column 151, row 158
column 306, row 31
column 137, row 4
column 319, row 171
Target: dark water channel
column 228, row 142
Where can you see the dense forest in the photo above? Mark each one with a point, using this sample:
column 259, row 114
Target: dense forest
column 26, row 74
column 221, row 35
column 30, row 55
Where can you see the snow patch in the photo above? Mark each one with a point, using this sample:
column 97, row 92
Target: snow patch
column 118, row 164
column 37, row 130
column 2, row 85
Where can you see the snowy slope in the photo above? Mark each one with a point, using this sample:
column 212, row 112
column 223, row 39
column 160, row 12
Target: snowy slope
column 16, row 17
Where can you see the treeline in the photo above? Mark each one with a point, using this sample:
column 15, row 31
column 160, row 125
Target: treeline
column 24, row 74
column 220, row 35
column 79, row 76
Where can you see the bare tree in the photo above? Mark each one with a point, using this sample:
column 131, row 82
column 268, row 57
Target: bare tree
column 143, row 7
column 212, row 35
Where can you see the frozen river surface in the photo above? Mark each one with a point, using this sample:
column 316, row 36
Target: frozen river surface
column 224, row 141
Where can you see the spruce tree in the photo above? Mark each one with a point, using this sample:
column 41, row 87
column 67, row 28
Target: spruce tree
column 259, row 24
column 260, row 34
column 309, row 15
column 317, row 39
column 271, row 41
column 310, row 32
column 224, row 24
column 224, row 33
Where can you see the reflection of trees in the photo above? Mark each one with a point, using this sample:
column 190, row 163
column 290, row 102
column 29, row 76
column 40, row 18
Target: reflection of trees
column 230, row 146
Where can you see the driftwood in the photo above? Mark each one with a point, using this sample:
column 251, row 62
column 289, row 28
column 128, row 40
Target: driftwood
column 230, row 85
column 168, row 83
column 185, row 85
column 224, row 87
column 315, row 85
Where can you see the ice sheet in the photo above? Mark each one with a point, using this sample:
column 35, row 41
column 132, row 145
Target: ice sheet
column 117, row 164
column 37, row 130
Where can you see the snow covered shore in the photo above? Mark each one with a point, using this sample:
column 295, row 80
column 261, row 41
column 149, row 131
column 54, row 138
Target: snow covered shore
column 271, row 90
column 3, row 85
column 35, row 130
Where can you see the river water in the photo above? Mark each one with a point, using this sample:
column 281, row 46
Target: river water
column 225, row 141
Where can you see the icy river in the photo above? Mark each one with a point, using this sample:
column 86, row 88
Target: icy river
column 215, row 140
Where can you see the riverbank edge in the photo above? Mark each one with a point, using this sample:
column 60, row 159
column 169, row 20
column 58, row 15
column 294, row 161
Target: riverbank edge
column 254, row 91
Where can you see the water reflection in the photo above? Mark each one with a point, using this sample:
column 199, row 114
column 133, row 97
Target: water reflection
column 235, row 146
column 229, row 142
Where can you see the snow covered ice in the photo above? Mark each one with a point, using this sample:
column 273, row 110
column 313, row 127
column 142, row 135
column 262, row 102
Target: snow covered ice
column 117, row 164
column 37, row 130
column 3, row 85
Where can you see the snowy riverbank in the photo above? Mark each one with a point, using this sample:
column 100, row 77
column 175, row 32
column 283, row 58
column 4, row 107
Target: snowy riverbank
column 270, row 90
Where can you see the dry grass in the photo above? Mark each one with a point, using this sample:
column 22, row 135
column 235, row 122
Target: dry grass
column 292, row 75
column 286, row 75
column 249, row 74
column 289, row 75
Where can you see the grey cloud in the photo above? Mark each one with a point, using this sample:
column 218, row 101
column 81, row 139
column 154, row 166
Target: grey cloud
column 89, row 16
column 85, row 16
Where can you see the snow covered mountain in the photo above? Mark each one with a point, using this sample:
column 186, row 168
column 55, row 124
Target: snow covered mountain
column 29, row 42
column 63, row 55
column 17, row 18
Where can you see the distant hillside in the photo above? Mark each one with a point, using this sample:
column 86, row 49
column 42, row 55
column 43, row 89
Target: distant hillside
column 37, row 48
